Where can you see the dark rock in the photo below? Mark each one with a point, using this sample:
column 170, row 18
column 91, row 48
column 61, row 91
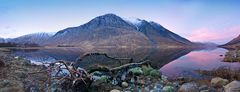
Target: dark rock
column 203, row 87
column 2, row 64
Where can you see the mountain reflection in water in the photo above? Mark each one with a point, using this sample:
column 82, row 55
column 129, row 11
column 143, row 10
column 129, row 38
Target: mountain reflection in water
column 172, row 62
column 187, row 65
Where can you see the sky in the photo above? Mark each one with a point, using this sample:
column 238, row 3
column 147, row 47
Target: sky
column 197, row 20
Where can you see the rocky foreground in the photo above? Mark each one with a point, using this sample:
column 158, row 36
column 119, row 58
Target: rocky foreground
column 19, row 75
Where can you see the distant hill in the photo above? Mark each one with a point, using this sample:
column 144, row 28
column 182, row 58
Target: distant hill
column 112, row 30
column 36, row 38
column 2, row 40
column 233, row 44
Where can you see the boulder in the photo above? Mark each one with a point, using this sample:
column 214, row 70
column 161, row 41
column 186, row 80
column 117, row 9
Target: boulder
column 189, row 87
column 218, row 82
column 115, row 90
column 124, row 84
column 234, row 86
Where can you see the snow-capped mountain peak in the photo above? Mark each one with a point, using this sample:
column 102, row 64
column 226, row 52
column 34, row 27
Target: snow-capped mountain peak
column 134, row 21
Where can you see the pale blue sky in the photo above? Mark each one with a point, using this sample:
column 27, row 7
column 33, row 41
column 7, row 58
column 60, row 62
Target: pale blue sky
column 197, row 20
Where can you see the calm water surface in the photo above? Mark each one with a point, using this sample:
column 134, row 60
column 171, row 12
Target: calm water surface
column 172, row 62
column 197, row 60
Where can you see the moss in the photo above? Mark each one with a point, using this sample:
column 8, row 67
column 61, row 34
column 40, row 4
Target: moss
column 155, row 73
column 136, row 71
column 104, row 78
column 147, row 70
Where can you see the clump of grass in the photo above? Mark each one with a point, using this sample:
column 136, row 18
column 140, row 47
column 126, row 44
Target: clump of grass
column 136, row 71
column 146, row 69
column 232, row 56
column 149, row 71
column 223, row 72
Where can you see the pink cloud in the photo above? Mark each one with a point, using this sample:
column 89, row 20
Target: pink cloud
column 208, row 34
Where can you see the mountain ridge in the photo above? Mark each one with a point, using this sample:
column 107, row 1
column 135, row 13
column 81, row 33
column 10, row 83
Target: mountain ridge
column 109, row 30
column 233, row 44
column 34, row 38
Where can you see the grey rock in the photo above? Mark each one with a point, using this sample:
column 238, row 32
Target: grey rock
column 204, row 91
column 218, row 82
column 189, row 87
column 6, row 83
column 115, row 90
column 114, row 81
column 234, row 86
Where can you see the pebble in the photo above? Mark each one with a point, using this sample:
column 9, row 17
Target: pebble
column 124, row 84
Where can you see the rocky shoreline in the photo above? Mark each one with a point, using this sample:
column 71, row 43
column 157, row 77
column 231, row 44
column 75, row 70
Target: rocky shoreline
column 19, row 75
column 15, row 74
column 232, row 56
column 147, row 79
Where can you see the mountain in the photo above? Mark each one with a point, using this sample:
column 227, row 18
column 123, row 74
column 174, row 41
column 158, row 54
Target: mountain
column 233, row 44
column 36, row 38
column 2, row 40
column 112, row 30
column 205, row 45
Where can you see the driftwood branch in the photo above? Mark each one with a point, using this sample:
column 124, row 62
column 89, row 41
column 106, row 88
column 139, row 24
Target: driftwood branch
column 106, row 69
column 128, row 65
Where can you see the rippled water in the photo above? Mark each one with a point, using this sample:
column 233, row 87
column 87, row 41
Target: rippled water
column 172, row 62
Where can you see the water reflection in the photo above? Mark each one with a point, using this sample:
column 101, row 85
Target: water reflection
column 172, row 62
column 197, row 60
column 158, row 57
